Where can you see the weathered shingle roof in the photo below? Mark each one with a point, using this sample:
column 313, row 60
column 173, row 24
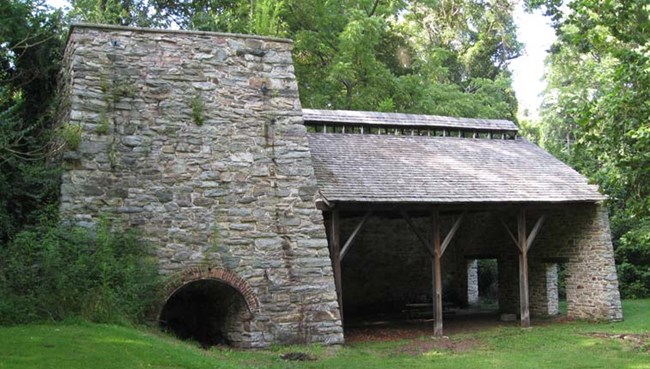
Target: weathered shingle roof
column 386, row 168
column 405, row 120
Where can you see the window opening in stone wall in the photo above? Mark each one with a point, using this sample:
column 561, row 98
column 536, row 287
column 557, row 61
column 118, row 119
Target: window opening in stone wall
column 208, row 311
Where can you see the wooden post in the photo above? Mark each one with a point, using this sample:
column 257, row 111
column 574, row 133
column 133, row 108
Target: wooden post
column 335, row 254
column 437, row 276
column 523, row 269
column 523, row 243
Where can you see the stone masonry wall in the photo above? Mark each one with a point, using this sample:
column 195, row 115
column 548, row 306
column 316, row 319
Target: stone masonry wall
column 580, row 235
column 577, row 234
column 472, row 283
column 543, row 282
column 197, row 138
column 385, row 268
column 552, row 292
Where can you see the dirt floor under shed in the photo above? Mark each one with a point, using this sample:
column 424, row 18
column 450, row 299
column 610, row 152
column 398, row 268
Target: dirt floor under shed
column 462, row 321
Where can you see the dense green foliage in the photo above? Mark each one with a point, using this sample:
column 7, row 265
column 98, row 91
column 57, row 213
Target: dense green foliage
column 52, row 272
column 30, row 55
column 597, row 116
column 560, row 345
column 488, row 283
column 435, row 57
column 49, row 271
column 120, row 12
column 633, row 256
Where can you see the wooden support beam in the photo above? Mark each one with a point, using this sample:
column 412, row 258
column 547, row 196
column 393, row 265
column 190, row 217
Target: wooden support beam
column 354, row 234
column 531, row 237
column 437, row 275
column 535, row 231
column 423, row 241
column 523, row 269
column 335, row 247
column 512, row 236
column 451, row 234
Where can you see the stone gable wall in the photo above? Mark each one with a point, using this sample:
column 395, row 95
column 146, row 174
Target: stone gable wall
column 580, row 235
column 197, row 138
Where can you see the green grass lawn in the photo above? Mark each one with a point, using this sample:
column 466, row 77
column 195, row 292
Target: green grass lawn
column 558, row 345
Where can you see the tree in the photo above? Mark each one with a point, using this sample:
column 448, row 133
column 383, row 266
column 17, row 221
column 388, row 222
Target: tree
column 29, row 58
column 596, row 111
column 432, row 57
column 120, row 12
column 260, row 17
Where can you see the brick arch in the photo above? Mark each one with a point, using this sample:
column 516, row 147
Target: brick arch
column 217, row 274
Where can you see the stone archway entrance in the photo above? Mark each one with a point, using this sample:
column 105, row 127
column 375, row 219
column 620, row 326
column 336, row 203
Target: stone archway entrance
column 211, row 306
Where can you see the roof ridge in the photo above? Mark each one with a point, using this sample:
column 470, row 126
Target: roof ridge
column 354, row 117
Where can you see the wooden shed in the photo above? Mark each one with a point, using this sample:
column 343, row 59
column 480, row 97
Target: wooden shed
column 414, row 200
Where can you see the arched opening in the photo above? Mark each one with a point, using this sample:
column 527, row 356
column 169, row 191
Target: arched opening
column 208, row 311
